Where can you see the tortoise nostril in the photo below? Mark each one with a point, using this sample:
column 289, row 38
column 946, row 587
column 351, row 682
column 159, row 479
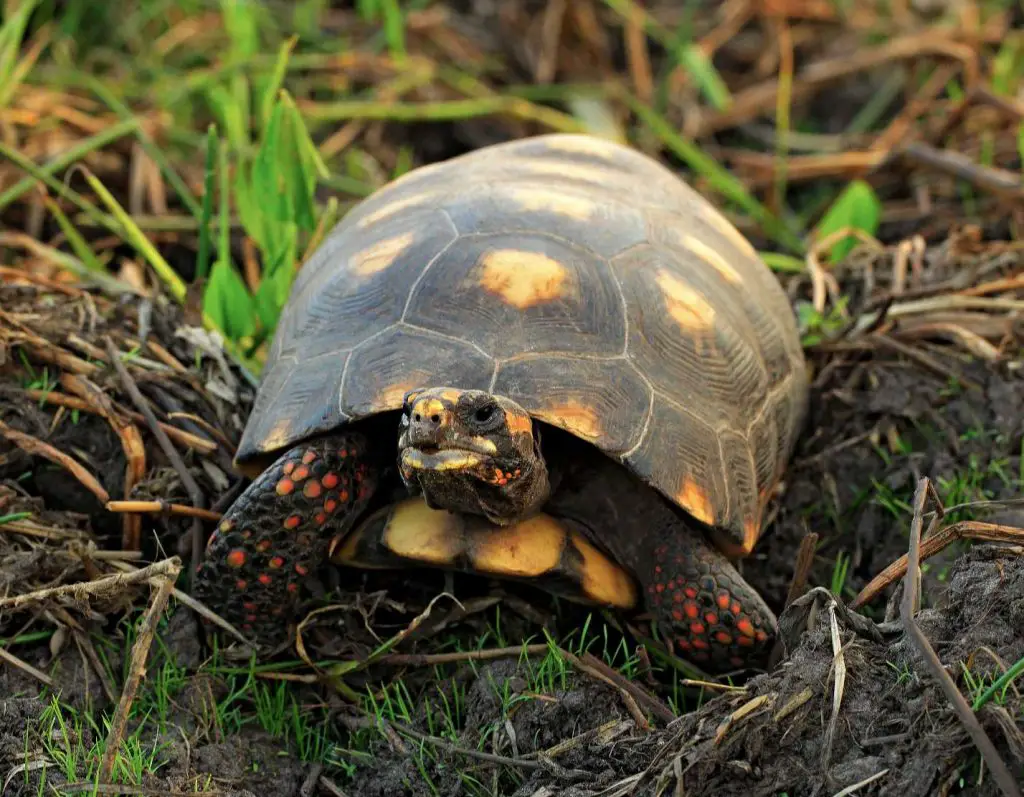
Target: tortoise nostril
column 416, row 417
column 435, row 418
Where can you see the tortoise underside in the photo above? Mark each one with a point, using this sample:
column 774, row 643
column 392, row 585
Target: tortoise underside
column 579, row 278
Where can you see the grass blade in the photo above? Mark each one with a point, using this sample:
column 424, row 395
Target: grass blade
column 137, row 238
column 720, row 179
column 65, row 159
column 203, row 257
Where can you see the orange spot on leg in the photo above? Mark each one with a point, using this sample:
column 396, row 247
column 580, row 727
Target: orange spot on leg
column 285, row 487
column 312, row 489
column 292, row 521
column 236, row 558
column 264, row 578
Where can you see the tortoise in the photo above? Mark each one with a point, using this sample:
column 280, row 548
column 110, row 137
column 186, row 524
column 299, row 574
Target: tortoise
column 593, row 381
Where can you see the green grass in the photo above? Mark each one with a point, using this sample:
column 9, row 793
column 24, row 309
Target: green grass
column 238, row 118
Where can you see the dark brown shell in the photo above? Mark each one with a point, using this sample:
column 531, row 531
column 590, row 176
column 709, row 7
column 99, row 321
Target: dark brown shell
column 576, row 276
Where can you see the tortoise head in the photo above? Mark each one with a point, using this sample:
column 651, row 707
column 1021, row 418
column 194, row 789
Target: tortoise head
column 471, row 451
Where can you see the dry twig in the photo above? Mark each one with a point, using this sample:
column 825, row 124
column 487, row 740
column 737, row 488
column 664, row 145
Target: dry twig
column 140, row 653
column 1000, row 772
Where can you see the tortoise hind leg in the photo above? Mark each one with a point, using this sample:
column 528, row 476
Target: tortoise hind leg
column 279, row 529
column 705, row 610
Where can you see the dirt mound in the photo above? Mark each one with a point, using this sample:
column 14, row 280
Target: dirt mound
column 451, row 712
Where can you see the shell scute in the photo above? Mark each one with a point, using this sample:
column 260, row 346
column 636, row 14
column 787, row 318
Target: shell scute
column 577, row 276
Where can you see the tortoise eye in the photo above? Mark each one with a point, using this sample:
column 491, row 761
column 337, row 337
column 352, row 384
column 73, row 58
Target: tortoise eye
column 484, row 414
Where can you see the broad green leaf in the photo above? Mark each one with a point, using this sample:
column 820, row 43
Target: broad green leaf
column 227, row 302
column 230, row 117
column 858, row 207
column 276, row 282
column 242, row 25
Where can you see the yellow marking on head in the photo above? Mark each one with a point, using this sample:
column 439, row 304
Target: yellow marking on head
column 581, row 420
column 712, row 257
column 518, row 423
column 450, row 394
column 486, row 444
column 523, row 279
column 386, row 211
column 429, row 406
column 444, row 460
column 583, row 144
column 528, row 548
column 690, row 310
column 418, row 532
column 535, row 199
column 604, row 581
column 711, row 215
column 380, row 255
column 696, row 501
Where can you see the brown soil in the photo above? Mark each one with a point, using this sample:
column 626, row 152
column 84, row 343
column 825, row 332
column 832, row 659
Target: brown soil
column 784, row 736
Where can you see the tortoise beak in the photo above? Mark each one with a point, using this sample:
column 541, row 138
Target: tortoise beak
column 431, row 443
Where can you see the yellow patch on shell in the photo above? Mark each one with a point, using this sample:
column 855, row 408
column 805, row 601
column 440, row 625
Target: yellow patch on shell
column 751, row 531
column 712, row 257
column 386, row 211
column 522, row 279
column 381, row 255
column 418, row 532
column 392, row 396
column 563, row 169
column 581, row 420
column 695, row 500
column 583, row 145
column 726, row 228
column 604, row 581
column 531, row 547
column 537, row 199
column 278, row 437
column 689, row 309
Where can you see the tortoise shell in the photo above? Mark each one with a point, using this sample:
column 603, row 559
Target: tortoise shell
column 576, row 276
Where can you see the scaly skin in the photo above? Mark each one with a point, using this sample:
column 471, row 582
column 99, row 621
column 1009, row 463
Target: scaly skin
column 704, row 608
column 278, row 530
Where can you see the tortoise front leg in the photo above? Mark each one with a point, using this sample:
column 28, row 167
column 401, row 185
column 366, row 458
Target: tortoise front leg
column 705, row 610
column 278, row 530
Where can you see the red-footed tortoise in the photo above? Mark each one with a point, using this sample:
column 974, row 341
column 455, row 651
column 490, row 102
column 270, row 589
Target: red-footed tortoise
column 593, row 381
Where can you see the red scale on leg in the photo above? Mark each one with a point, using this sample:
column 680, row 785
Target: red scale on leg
column 288, row 524
column 714, row 617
